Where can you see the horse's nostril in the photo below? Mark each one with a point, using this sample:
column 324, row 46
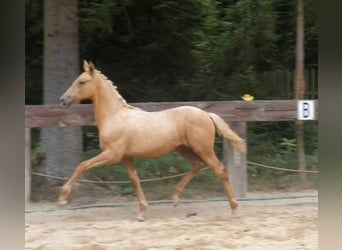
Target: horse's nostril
column 62, row 101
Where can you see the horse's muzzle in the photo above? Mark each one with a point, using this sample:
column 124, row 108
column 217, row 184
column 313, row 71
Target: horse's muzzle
column 65, row 101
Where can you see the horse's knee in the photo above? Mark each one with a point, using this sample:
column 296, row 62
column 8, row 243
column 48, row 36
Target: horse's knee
column 221, row 173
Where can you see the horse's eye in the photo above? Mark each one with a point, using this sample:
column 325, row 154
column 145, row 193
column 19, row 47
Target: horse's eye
column 82, row 83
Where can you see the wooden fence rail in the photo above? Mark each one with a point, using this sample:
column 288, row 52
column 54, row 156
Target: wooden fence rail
column 237, row 113
column 231, row 111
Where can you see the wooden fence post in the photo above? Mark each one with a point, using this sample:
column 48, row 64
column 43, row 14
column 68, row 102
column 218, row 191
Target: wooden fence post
column 27, row 164
column 235, row 162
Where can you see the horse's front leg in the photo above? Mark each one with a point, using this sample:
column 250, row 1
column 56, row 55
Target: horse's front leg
column 133, row 175
column 104, row 158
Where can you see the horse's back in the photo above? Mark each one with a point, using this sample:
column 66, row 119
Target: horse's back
column 192, row 125
column 187, row 112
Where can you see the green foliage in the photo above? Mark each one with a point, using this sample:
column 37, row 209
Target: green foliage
column 34, row 51
column 288, row 144
column 97, row 18
column 275, row 145
column 36, row 156
column 311, row 31
column 235, row 45
column 144, row 43
column 180, row 50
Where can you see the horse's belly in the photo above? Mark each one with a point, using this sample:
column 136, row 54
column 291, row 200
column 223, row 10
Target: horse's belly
column 152, row 146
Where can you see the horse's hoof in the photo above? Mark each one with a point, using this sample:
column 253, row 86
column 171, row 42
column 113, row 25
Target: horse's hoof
column 175, row 201
column 140, row 218
column 62, row 203
column 235, row 214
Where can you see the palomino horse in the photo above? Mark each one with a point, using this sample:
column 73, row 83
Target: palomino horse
column 127, row 132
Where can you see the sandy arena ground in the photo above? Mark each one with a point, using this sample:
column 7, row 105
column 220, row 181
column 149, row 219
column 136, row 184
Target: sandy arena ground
column 261, row 225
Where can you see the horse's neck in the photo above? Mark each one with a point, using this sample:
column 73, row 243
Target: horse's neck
column 107, row 102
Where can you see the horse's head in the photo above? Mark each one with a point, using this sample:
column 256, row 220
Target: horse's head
column 82, row 88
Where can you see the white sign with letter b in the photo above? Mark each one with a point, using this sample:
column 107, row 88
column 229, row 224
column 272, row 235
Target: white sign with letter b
column 306, row 110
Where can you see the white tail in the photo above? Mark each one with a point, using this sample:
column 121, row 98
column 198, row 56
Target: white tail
column 223, row 129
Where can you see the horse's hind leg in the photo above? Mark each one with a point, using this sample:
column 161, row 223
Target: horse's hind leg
column 197, row 166
column 211, row 159
column 133, row 175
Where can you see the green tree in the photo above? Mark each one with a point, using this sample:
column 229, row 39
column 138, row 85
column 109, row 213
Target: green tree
column 286, row 33
column 144, row 46
column 236, row 43
column 33, row 52
column 183, row 50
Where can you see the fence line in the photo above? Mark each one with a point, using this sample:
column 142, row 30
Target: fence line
column 283, row 169
column 237, row 113
column 110, row 182
column 171, row 176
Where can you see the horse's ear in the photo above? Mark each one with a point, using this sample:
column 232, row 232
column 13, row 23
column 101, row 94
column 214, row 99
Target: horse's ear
column 88, row 67
column 85, row 65
column 91, row 67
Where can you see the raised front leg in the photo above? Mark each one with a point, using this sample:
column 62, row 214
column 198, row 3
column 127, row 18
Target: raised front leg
column 104, row 158
column 133, row 175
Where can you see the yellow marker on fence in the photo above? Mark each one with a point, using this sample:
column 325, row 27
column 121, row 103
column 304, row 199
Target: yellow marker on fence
column 247, row 97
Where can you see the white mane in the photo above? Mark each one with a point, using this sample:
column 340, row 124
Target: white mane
column 114, row 87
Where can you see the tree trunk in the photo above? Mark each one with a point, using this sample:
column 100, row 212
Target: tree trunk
column 62, row 146
column 300, row 87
